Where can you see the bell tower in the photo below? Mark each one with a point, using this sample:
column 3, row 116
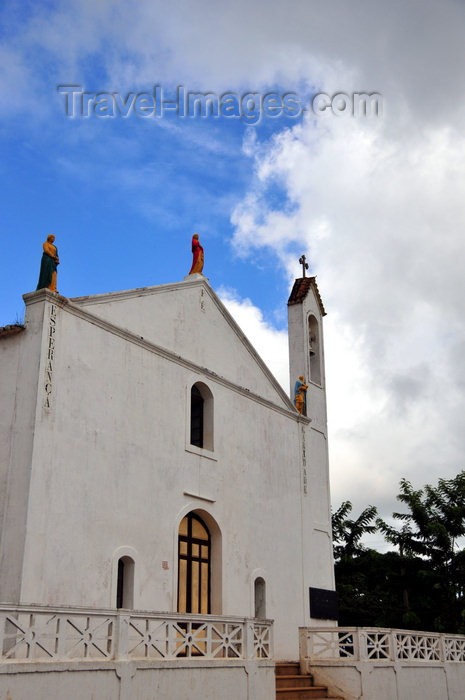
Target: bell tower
column 306, row 351
column 307, row 372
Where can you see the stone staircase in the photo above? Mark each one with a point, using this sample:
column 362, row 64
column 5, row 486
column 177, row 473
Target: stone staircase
column 292, row 685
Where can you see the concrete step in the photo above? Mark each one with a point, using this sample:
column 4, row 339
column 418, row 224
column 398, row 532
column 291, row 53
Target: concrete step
column 294, row 681
column 293, row 685
column 287, row 668
column 305, row 693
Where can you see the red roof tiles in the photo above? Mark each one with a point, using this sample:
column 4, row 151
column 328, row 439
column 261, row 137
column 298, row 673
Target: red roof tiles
column 10, row 330
column 300, row 290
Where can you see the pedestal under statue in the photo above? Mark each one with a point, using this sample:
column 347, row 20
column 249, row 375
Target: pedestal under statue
column 48, row 266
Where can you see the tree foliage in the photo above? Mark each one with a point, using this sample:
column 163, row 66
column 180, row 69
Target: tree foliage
column 347, row 533
column 420, row 585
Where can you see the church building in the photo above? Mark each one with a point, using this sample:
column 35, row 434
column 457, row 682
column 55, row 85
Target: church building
column 164, row 506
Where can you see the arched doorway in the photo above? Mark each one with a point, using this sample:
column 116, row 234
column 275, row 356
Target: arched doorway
column 194, row 566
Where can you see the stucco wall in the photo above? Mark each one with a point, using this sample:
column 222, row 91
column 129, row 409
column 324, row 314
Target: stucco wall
column 113, row 474
column 189, row 319
column 180, row 680
column 9, row 357
column 393, row 681
column 20, row 361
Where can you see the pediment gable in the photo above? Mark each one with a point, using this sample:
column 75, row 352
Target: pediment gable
column 188, row 319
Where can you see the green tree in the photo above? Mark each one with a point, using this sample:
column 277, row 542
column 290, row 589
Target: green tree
column 432, row 529
column 422, row 584
column 348, row 533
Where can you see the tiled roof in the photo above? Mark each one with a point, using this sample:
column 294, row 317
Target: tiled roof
column 300, row 290
column 10, row 330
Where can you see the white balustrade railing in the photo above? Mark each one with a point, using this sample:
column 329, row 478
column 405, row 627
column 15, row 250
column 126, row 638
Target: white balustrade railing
column 349, row 644
column 36, row 633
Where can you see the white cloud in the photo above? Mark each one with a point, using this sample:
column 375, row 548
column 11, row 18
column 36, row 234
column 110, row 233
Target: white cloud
column 270, row 343
column 411, row 52
column 382, row 219
column 378, row 205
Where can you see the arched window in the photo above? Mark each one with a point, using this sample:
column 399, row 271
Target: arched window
column 194, row 565
column 314, row 350
column 196, row 417
column 125, row 583
column 260, row 598
column 201, row 416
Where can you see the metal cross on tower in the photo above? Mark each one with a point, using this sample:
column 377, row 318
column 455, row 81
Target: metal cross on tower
column 302, row 261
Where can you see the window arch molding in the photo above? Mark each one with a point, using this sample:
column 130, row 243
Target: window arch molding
column 200, row 421
column 216, row 555
column 129, row 556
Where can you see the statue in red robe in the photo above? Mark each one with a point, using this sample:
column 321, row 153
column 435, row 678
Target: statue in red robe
column 197, row 256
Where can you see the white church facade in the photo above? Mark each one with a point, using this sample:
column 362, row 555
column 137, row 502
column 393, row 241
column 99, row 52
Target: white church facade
column 156, row 478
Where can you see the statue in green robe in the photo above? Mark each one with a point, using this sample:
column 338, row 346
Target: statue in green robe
column 48, row 266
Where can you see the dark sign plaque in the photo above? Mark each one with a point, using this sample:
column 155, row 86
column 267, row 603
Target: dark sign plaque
column 323, row 604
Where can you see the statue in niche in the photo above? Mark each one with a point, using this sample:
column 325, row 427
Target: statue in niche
column 197, row 256
column 48, row 266
column 300, row 395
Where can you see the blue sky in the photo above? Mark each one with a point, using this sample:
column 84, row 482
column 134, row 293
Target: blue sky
column 123, row 197
column 376, row 203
